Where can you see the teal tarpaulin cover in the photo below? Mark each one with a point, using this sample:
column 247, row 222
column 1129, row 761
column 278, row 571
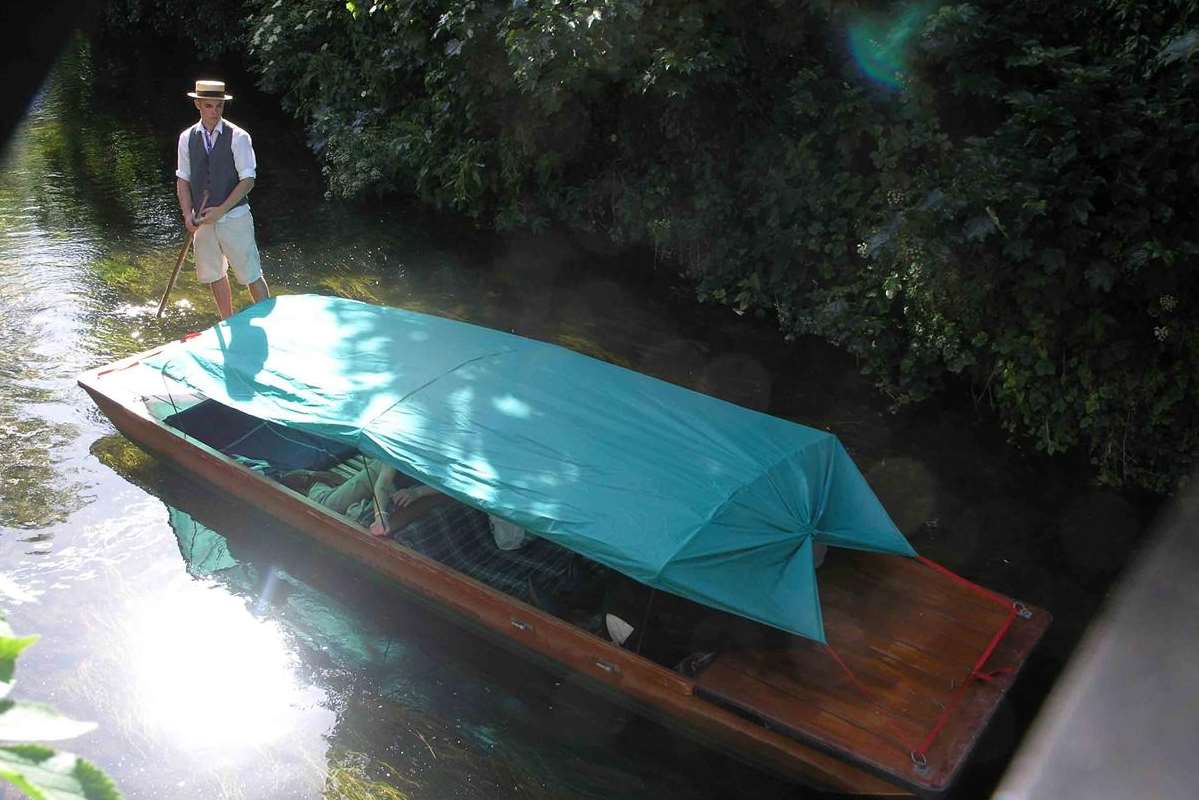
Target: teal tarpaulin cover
column 675, row 489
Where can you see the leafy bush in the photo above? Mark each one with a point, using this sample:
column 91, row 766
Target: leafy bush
column 1048, row 261
column 215, row 30
column 39, row 772
column 1015, row 207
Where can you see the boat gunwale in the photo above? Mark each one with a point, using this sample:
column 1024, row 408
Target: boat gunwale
column 653, row 687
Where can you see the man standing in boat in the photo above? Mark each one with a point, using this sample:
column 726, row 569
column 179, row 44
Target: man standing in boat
column 215, row 173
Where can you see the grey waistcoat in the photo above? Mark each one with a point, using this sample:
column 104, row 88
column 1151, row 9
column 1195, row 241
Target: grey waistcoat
column 213, row 172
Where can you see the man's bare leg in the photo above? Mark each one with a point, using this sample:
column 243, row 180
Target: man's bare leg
column 222, row 295
column 259, row 290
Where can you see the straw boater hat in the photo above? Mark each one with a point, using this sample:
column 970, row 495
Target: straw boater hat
column 210, row 90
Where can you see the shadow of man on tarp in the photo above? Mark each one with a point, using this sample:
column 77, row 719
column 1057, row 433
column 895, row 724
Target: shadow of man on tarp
column 244, row 348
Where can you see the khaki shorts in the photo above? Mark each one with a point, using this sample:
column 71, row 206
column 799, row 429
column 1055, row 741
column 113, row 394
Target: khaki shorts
column 224, row 244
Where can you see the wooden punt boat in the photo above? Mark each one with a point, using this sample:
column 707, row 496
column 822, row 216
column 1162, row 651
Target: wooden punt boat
column 916, row 660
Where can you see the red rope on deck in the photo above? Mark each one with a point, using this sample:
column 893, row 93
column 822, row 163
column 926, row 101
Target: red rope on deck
column 866, row 692
column 928, row 562
column 861, row 687
column 976, row 670
column 975, row 673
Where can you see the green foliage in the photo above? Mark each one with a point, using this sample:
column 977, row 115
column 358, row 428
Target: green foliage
column 214, row 30
column 37, row 722
column 10, row 648
column 1056, row 258
column 38, row 771
column 45, row 774
column 1017, row 212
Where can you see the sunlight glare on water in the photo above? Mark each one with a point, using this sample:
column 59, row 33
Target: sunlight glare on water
column 210, row 675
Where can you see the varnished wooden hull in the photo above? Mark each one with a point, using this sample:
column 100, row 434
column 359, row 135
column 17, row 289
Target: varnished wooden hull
column 790, row 710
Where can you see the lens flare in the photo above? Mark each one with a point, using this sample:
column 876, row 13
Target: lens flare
column 881, row 45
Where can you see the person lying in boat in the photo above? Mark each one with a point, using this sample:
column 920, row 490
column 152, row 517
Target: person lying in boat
column 363, row 496
column 375, row 491
column 487, row 548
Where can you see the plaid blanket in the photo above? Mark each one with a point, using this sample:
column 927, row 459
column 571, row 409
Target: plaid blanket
column 460, row 537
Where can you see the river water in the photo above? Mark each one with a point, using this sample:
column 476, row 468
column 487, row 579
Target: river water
column 224, row 656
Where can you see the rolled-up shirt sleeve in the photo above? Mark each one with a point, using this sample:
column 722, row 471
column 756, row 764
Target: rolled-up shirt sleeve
column 184, row 166
column 244, row 160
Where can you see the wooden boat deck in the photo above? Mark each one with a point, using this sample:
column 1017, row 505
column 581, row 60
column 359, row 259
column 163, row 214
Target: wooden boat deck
column 909, row 635
column 904, row 639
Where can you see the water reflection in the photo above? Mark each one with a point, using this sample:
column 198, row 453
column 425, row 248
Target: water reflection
column 208, row 673
column 409, row 706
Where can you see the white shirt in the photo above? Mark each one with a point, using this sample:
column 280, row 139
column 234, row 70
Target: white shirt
column 244, row 160
column 507, row 535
